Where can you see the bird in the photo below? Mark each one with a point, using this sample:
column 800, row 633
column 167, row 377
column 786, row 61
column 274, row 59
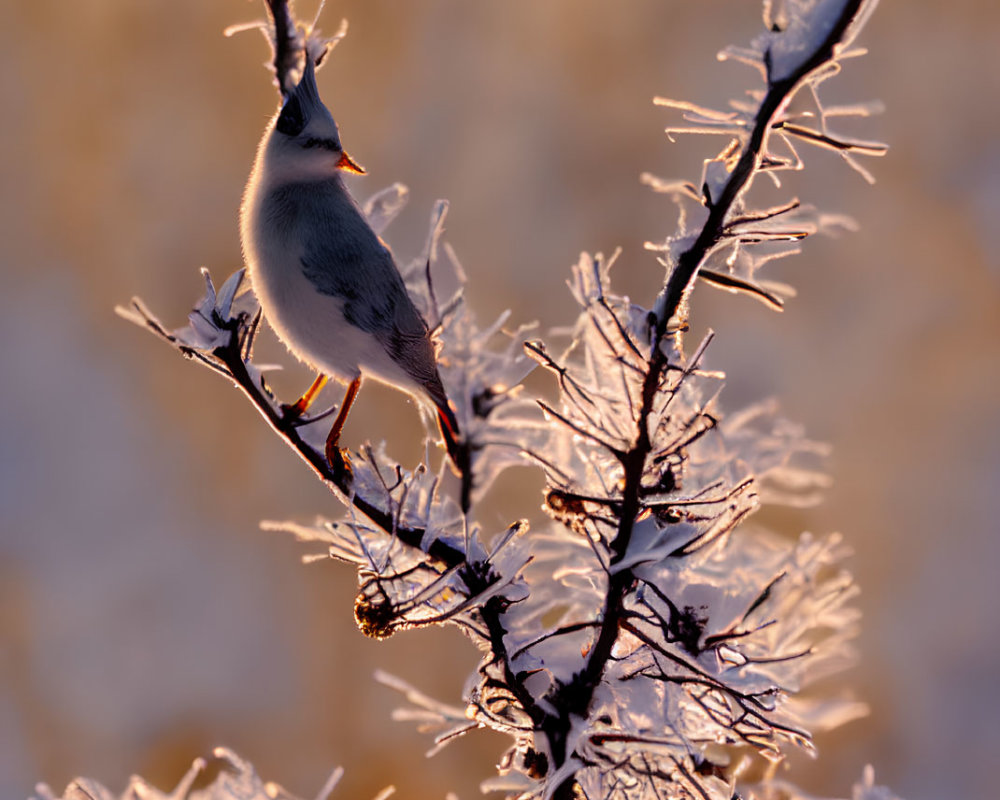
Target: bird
column 327, row 284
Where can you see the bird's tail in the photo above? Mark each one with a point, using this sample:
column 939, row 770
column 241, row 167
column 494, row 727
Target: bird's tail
column 448, row 424
column 459, row 448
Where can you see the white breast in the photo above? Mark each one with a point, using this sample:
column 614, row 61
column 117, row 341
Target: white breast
column 310, row 324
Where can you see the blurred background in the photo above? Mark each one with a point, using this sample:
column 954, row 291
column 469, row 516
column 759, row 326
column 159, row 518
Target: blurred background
column 145, row 616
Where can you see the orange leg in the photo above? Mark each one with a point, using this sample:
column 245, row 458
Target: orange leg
column 299, row 407
column 333, row 454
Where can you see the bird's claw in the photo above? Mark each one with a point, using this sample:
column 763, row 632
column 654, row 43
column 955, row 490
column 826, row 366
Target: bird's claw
column 340, row 461
column 295, row 416
column 292, row 413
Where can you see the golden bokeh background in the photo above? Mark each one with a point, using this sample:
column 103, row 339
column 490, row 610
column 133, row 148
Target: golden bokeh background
column 145, row 616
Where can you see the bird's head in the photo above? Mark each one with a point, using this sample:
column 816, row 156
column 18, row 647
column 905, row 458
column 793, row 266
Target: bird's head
column 304, row 142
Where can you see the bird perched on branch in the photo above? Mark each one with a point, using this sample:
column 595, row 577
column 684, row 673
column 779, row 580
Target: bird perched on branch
column 327, row 284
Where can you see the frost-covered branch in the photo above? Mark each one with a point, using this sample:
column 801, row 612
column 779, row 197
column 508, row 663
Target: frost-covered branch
column 647, row 361
column 220, row 337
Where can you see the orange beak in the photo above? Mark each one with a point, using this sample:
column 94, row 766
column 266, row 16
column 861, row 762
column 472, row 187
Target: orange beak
column 348, row 164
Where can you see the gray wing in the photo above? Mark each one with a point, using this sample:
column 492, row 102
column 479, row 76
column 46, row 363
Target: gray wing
column 343, row 257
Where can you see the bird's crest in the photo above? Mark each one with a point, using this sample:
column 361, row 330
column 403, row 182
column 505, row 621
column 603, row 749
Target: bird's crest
column 295, row 47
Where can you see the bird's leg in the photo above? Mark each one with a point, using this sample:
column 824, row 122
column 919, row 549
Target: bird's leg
column 299, row 407
column 333, row 454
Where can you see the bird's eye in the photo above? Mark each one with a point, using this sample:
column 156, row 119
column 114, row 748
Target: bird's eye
column 291, row 121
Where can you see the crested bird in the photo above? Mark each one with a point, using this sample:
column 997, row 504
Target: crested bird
column 327, row 284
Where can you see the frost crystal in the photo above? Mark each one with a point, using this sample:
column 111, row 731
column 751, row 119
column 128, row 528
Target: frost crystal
column 235, row 780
